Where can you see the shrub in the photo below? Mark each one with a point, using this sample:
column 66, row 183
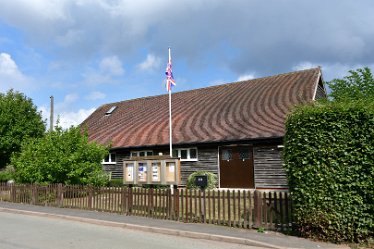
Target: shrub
column 7, row 174
column 329, row 160
column 61, row 156
column 116, row 182
column 212, row 179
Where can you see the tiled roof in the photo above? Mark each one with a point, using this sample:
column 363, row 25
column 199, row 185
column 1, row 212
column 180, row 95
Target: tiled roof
column 252, row 109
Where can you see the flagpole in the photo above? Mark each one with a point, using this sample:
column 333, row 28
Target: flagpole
column 170, row 127
column 170, row 123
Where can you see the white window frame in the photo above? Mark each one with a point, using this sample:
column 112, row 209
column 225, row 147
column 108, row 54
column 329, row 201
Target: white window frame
column 110, row 159
column 139, row 151
column 188, row 154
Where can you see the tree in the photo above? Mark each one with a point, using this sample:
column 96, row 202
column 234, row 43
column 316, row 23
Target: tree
column 359, row 85
column 61, row 156
column 19, row 119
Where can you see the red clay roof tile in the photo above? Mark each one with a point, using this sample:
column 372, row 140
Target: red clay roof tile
column 253, row 109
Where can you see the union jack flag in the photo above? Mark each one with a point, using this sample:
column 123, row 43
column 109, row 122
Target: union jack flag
column 170, row 82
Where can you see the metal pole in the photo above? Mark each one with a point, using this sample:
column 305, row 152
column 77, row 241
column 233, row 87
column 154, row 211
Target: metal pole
column 170, row 121
column 51, row 115
column 170, row 127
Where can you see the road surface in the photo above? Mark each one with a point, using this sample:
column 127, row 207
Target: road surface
column 30, row 232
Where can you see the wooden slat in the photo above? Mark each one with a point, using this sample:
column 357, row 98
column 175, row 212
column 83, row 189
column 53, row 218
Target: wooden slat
column 228, row 208
column 209, row 208
column 181, row 218
column 190, row 202
column 281, row 201
column 234, row 208
column 286, row 208
column 240, row 224
column 271, row 210
column 265, row 210
column 224, row 208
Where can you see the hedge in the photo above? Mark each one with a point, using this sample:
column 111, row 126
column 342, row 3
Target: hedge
column 329, row 159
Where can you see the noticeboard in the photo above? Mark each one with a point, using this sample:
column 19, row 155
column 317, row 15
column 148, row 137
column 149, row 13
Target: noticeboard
column 153, row 171
column 156, row 171
column 142, row 172
column 129, row 172
column 170, row 172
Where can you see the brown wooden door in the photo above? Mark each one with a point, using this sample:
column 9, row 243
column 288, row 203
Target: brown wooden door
column 236, row 167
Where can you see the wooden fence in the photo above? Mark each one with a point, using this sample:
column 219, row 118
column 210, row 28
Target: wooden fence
column 234, row 208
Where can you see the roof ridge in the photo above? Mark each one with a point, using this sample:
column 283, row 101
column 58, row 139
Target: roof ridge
column 215, row 86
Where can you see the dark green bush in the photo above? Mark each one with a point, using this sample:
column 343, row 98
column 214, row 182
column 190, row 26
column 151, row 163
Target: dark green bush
column 329, row 159
column 212, row 179
column 116, row 182
column 7, row 174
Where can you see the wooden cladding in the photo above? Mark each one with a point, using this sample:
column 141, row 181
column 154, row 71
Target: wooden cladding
column 267, row 166
column 234, row 208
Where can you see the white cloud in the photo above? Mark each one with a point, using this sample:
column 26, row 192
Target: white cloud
column 66, row 119
column 10, row 75
column 304, row 65
column 331, row 70
column 70, row 38
column 70, row 98
column 111, row 66
column 250, row 76
column 95, row 95
column 67, row 104
column 109, row 69
column 151, row 63
column 216, row 82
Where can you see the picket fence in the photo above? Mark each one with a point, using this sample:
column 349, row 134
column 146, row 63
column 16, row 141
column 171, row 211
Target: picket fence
column 270, row 210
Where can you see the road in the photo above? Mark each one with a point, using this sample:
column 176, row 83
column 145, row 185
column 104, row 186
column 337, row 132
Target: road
column 30, row 232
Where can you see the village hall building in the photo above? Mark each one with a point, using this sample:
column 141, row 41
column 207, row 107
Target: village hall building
column 234, row 130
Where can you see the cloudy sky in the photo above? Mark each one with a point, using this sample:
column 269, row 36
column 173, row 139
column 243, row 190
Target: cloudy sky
column 89, row 52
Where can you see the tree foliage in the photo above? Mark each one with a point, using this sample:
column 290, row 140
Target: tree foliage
column 359, row 85
column 329, row 159
column 61, row 156
column 19, row 119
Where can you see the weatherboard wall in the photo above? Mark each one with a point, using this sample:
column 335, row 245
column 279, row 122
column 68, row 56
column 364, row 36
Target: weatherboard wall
column 268, row 165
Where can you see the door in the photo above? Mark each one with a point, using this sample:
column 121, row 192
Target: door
column 236, row 167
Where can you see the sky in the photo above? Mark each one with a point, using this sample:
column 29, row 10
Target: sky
column 87, row 53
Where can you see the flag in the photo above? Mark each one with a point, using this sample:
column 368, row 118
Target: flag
column 170, row 82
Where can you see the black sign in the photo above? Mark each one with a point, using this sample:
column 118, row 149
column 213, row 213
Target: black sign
column 201, row 181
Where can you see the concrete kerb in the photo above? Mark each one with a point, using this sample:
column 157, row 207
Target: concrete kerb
column 166, row 231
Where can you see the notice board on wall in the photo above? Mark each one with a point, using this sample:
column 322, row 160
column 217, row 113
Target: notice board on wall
column 152, row 171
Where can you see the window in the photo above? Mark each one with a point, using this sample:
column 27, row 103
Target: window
column 110, row 110
column 244, row 153
column 110, row 159
column 186, row 154
column 226, row 154
column 141, row 153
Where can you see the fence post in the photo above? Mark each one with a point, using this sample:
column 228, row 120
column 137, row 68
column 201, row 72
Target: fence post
column 59, row 195
column 34, row 194
column 90, row 197
column 13, row 192
column 130, row 200
column 150, row 203
column 176, row 203
column 257, row 208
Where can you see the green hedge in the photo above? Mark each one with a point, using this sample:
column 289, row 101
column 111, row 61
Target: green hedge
column 329, row 159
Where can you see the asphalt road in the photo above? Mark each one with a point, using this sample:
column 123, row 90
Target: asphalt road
column 30, row 232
